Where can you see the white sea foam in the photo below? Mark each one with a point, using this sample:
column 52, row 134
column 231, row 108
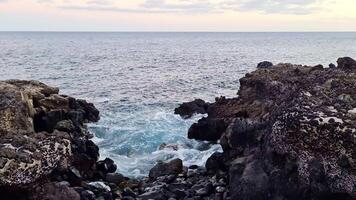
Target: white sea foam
column 137, row 151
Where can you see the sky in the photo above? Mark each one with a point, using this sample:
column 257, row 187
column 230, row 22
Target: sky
column 178, row 15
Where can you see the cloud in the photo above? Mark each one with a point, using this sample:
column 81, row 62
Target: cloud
column 183, row 6
column 297, row 7
column 148, row 6
column 99, row 2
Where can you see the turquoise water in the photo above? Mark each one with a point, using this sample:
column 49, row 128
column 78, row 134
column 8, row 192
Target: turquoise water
column 137, row 79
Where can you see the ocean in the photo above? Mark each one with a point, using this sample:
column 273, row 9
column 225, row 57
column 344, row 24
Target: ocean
column 137, row 79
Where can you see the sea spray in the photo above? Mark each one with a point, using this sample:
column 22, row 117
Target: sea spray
column 163, row 136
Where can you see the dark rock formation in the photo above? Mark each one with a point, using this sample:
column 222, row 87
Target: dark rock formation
column 332, row 65
column 187, row 109
column 264, row 64
column 290, row 134
column 45, row 148
column 173, row 167
column 346, row 63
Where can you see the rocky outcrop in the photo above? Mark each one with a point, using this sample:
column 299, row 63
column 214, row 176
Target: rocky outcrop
column 45, row 148
column 264, row 64
column 187, row 109
column 346, row 63
column 290, row 133
column 173, row 167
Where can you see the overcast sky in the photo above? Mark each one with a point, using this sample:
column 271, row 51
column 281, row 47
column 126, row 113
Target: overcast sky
column 177, row 15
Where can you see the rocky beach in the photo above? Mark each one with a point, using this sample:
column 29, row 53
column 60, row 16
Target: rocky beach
column 290, row 133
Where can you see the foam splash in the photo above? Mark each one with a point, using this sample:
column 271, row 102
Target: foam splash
column 138, row 145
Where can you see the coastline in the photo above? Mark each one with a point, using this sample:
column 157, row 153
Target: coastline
column 261, row 159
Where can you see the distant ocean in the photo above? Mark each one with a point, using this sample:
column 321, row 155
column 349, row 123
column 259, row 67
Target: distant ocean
column 137, row 79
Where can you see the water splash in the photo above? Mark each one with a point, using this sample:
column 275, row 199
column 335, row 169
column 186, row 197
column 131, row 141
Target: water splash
column 136, row 147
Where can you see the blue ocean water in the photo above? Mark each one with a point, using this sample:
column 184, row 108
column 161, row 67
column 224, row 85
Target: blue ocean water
column 137, row 79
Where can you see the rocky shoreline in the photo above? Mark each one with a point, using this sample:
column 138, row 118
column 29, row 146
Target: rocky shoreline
column 289, row 134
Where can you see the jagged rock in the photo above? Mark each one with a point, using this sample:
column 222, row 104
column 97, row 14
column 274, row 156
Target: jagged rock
column 100, row 186
column 38, row 139
column 152, row 195
column 346, row 63
column 106, row 166
column 87, row 195
column 57, row 191
column 114, row 178
column 264, row 64
column 288, row 133
column 65, row 126
column 215, row 162
column 207, row 129
column 187, row 109
column 160, row 169
column 332, row 66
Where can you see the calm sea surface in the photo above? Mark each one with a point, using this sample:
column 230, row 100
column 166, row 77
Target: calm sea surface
column 137, row 79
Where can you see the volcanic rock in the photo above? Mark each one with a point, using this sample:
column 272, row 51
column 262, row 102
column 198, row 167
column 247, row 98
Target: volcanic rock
column 187, row 109
column 160, row 169
column 346, row 63
column 264, row 64
column 288, row 134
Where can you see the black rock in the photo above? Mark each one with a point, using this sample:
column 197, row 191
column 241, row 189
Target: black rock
column 215, row 162
column 187, row 109
column 114, row 178
column 207, row 129
column 106, row 166
column 203, row 189
column 87, row 195
column 346, row 63
column 128, row 192
column 264, row 64
column 161, row 169
column 332, row 66
column 159, row 195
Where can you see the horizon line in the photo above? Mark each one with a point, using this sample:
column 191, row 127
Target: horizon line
column 90, row 31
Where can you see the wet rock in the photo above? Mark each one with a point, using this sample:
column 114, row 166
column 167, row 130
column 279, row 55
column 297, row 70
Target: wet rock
column 287, row 134
column 114, row 178
column 65, row 126
column 87, row 195
column 57, row 191
column 106, row 166
column 207, row 129
column 152, row 195
column 99, row 186
column 128, row 192
column 203, row 189
column 160, row 169
column 187, row 109
column 220, row 189
column 264, row 64
column 253, row 183
column 216, row 162
column 332, row 66
column 346, row 63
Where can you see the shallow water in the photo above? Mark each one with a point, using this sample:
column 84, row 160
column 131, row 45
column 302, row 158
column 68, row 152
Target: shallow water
column 137, row 79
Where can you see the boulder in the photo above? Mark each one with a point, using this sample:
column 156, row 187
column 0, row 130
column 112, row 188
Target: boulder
column 207, row 129
column 40, row 142
column 264, row 64
column 187, row 109
column 346, row 63
column 57, row 191
column 106, row 166
column 288, row 135
column 216, row 162
column 161, row 169
column 332, row 66
column 114, row 178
